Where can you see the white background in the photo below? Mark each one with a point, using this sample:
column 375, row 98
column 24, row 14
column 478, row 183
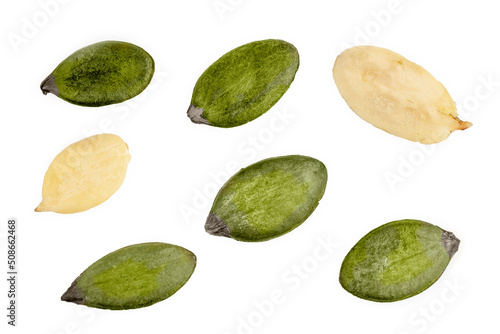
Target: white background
column 170, row 182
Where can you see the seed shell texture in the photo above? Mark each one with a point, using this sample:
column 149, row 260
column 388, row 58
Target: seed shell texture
column 268, row 199
column 85, row 174
column 132, row 277
column 397, row 260
column 396, row 95
column 101, row 74
column 244, row 83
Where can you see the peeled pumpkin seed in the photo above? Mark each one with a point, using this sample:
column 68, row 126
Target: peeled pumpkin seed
column 133, row 277
column 267, row 199
column 396, row 95
column 85, row 174
column 244, row 83
column 397, row 260
column 101, row 74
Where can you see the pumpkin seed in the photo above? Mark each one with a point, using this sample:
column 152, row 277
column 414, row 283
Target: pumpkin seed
column 396, row 95
column 244, row 83
column 267, row 199
column 132, row 277
column 101, row 74
column 85, row 174
column 397, row 260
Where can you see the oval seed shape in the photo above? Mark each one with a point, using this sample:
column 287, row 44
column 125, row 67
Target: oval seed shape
column 268, row 199
column 396, row 95
column 132, row 277
column 244, row 83
column 100, row 74
column 85, row 174
column 397, row 260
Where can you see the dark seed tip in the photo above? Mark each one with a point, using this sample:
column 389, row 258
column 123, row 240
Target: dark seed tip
column 216, row 226
column 49, row 86
column 73, row 295
column 195, row 115
column 450, row 242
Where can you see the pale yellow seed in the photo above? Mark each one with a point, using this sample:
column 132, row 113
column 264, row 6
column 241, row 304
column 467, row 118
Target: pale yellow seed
column 396, row 95
column 85, row 174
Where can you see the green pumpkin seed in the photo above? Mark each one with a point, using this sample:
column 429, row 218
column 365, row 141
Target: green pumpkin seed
column 133, row 277
column 267, row 199
column 100, row 74
column 397, row 260
column 244, row 83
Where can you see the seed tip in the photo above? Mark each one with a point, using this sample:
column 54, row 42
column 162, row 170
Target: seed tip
column 73, row 295
column 195, row 115
column 464, row 125
column 216, row 226
column 49, row 85
column 42, row 207
column 450, row 242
